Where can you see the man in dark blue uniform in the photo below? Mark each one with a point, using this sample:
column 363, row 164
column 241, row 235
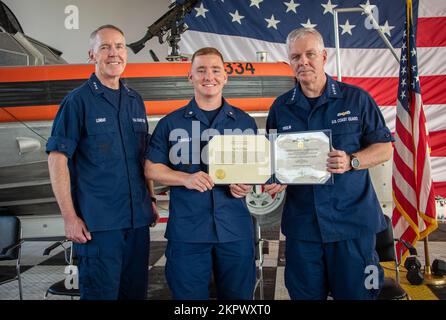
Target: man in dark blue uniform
column 96, row 163
column 209, row 230
column 330, row 229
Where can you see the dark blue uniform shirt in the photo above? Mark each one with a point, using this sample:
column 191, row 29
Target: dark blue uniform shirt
column 349, row 208
column 211, row 216
column 105, row 147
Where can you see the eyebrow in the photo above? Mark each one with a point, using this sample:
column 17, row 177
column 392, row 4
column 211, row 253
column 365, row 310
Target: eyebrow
column 212, row 67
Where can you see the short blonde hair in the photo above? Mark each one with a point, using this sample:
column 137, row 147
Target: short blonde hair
column 207, row 51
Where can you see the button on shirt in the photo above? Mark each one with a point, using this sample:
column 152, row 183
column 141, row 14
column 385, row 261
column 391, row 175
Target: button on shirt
column 349, row 208
column 177, row 142
column 105, row 145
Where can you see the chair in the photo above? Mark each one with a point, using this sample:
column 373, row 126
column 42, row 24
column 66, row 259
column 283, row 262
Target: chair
column 385, row 247
column 258, row 242
column 10, row 245
column 60, row 287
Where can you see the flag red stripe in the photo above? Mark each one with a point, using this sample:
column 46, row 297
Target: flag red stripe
column 440, row 188
column 384, row 90
column 403, row 169
column 405, row 136
column 422, row 145
column 402, row 200
column 425, row 35
column 437, row 142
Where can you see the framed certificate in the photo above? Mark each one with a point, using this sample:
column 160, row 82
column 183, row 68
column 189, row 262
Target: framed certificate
column 287, row 158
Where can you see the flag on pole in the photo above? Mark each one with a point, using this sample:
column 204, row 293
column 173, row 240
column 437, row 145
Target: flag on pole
column 240, row 28
column 414, row 215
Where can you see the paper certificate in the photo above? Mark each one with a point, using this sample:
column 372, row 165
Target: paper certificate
column 287, row 158
column 239, row 159
column 302, row 158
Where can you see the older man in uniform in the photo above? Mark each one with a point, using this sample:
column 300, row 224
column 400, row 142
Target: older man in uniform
column 330, row 229
column 96, row 155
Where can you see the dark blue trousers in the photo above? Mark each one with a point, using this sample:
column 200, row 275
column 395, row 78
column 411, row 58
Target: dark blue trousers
column 189, row 268
column 114, row 265
column 345, row 270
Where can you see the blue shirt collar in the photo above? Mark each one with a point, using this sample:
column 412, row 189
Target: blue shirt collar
column 193, row 110
column 332, row 90
column 97, row 87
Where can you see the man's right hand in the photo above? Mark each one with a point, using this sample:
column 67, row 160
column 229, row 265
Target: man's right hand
column 200, row 181
column 76, row 230
column 274, row 188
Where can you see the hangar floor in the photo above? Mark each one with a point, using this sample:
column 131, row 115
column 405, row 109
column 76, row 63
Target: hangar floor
column 40, row 272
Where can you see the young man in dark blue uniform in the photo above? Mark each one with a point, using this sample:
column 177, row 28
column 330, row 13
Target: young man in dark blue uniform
column 96, row 162
column 330, row 229
column 209, row 228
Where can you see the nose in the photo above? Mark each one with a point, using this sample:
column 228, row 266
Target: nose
column 113, row 51
column 302, row 60
column 208, row 75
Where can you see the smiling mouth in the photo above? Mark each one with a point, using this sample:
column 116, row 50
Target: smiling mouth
column 209, row 85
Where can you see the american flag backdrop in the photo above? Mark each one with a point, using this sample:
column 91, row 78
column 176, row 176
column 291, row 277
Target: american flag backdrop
column 240, row 28
column 414, row 214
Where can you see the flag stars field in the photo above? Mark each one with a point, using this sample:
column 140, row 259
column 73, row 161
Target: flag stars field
column 272, row 22
column 236, row 17
column 308, row 24
column 386, row 28
column 328, row 7
column 256, row 3
column 291, row 6
column 201, row 11
column 347, row 27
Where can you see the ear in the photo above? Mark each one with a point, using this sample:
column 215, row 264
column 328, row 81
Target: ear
column 189, row 77
column 91, row 56
column 324, row 56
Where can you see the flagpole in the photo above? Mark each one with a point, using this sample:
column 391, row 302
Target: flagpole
column 430, row 278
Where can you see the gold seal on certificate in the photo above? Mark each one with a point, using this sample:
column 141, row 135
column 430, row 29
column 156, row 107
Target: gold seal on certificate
column 220, row 174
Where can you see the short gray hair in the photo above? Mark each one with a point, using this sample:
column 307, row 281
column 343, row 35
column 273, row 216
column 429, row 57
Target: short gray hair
column 105, row 26
column 303, row 32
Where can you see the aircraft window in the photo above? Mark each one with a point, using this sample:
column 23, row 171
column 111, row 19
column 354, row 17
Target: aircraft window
column 8, row 21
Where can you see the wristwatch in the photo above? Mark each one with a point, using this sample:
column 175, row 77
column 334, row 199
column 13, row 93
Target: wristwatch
column 354, row 162
column 153, row 199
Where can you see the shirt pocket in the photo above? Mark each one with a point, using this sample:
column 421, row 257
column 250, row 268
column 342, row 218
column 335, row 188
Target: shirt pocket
column 346, row 136
column 102, row 141
column 186, row 156
column 140, row 132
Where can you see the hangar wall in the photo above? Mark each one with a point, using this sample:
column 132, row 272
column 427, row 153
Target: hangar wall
column 45, row 20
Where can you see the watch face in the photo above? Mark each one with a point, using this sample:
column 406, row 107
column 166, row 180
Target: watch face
column 355, row 163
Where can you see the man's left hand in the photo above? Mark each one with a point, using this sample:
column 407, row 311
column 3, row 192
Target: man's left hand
column 155, row 215
column 338, row 161
column 240, row 190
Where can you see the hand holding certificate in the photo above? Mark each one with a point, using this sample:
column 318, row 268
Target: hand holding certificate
column 291, row 158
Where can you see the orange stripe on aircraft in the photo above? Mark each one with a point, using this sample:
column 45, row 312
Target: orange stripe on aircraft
column 136, row 70
column 47, row 113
